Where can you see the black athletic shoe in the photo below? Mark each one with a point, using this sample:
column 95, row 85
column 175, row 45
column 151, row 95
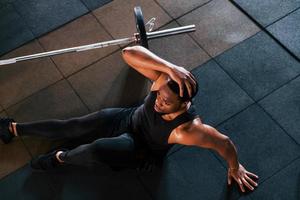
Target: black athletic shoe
column 5, row 135
column 46, row 161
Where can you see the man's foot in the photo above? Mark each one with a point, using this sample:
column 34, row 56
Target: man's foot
column 46, row 161
column 5, row 134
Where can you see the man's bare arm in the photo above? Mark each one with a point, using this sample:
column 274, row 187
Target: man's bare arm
column 206, row 136
column 151, row 66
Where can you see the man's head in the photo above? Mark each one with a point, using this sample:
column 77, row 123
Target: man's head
column 168, row 99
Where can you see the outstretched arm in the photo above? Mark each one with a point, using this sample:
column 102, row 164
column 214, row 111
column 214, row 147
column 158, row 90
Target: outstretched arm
column 151, row 66
column 206, row 136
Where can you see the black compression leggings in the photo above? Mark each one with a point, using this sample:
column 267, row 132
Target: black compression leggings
column 108, row 129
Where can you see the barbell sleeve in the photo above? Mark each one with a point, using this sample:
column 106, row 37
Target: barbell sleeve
column 171, row 31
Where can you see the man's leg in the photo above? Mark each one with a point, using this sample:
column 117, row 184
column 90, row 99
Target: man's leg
column 114, row 151
column 98, row 124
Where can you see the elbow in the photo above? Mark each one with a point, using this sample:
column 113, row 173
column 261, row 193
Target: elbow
column 130, row 50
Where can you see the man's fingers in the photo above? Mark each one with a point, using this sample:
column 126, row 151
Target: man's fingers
column 250, row 180
column 229, row 179
column 189, row 87
column 193, row 83
column 240, row 183
column 247, row 184
column 251, row 174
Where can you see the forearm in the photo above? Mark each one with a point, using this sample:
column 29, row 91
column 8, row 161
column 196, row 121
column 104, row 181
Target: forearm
column 229, row 153
column 140, row 57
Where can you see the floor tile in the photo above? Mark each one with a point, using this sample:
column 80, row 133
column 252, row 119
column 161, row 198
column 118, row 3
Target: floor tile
column 43, row 16
column 12, row 156
column 93, row 4
column 218, row 97
column 120, row 85
column 39, row 145
column 179, row 49
column 187, row 168
column 263, row 147
column 88, row 31
column 259, row 65
column 284, row 106
column 268, row 11
column 57, row 101
column 220, row 26
column 12, row 36
column 5, row 2
column 110, row 185
column 2, row 112
column 27, row 77
column 121, row 14
column 27, row 185
column 287, row 31
column 284, row 185
column 180, row 7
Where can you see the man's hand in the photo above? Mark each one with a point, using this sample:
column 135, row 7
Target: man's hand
column 242, row 177
column 183, row 77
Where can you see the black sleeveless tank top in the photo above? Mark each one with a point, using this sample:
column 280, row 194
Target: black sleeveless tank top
column 151, row 129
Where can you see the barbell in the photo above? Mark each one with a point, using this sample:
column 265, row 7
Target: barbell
column 141, row 37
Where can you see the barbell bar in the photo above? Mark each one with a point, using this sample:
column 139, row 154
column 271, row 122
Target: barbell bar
column 141, row 37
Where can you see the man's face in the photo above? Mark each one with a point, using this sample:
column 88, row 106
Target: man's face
column 167, row 101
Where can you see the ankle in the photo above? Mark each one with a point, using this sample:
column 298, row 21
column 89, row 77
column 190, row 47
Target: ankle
column 12, row 128
column 57, row 156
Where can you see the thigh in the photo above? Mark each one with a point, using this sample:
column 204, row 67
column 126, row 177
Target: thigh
column 108, row 122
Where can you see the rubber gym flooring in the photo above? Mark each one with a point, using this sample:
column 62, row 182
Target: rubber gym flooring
column 244, row 54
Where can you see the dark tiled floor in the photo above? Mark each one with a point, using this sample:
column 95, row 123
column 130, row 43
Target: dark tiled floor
column 220, row 26
column 24, row 184
column 50, row 105
column 264, row 133
column 88, row 31
column 284, row 185
column 258, row 140
column 284, row 106
column 41, row 16
column 219, row 96
column 268, row 11
column 119, row 85
column 88, row 183
column 179, row 49
column 287, row 31
column 93, row 4
column 14, row 31
column 180, row 7
column 26, row 77
column 182, row 174
column 259, row 65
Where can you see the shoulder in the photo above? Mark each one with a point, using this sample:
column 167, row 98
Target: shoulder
column 185, row 133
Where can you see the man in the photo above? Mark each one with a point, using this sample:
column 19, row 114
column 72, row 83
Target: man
column 118, row 135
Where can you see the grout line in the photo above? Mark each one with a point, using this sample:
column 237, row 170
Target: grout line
column 27, row 97
column 65, row 79
column 276, row 89
column 282, row 17
column 257, row 103
column 281, row 169
column 265, row 30
column 195, row 8
column 177, row 22
column 285, row 131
